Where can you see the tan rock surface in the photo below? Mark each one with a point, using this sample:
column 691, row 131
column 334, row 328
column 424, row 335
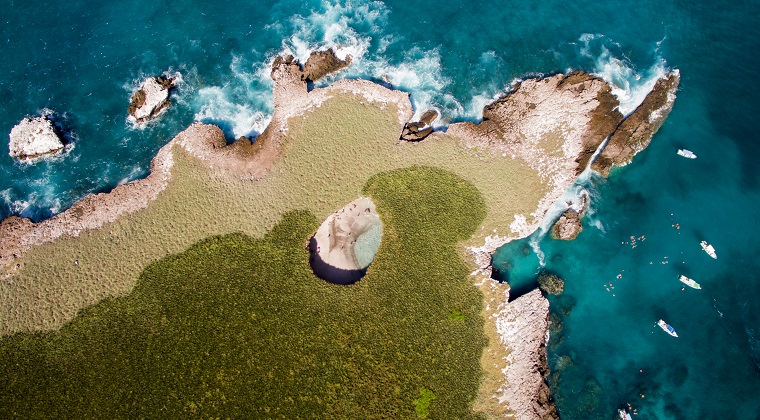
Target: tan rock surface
column 337, row 236
column 551, row 123
column 523, row 329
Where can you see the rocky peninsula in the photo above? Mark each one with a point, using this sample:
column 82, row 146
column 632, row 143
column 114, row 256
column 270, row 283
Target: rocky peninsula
column 35, row 137
column 546, row 130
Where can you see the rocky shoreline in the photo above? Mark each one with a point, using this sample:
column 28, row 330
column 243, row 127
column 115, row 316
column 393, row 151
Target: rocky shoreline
column 554, row 124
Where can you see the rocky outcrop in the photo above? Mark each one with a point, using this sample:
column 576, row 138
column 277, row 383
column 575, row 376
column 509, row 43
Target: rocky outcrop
column 150, row 99
column 551, row 283
column 318, row 65
column 322, row 63
column 522, row 326
column 417, row 131
column 34, row 138
column 568, row 226
column 346, row 242
column 636, row 131
column 553, row 124
column 570, row 223
column 604, row 118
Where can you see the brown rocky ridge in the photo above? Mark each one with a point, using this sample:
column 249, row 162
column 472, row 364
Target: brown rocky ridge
column 636, row 131
column 321, row 63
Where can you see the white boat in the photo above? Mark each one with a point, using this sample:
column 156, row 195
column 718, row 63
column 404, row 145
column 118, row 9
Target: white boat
column 667, row 328
column 623, row 415
column 709, row 249
column 687, row 153
column 689, row 282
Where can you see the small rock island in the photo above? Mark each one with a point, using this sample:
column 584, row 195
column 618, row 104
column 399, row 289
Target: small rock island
column 152, row 98
column 35, row 137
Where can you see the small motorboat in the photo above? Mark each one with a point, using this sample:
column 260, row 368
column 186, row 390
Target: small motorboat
column 689, row 282
column 686, row 153
column 709, row 249
column 667, row 328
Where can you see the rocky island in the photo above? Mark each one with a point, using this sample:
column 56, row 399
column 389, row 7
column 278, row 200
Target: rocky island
column 150, row 99
column 529, row 148
column 35, row 137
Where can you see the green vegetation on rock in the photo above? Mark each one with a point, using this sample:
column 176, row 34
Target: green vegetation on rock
column 237, row 327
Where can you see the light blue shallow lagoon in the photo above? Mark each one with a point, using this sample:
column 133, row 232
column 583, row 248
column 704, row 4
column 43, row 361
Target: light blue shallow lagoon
column 82, row 60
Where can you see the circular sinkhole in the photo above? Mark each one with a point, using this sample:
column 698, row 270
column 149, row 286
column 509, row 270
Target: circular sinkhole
column 346, row 243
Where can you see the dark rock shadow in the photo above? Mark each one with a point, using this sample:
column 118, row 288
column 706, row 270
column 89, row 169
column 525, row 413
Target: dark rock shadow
column 329, row 273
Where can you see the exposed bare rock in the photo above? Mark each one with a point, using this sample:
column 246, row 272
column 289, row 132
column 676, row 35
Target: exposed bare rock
column 322, row 63
column 568, row 226
column 551, row 283
column 553, row 124
column 522, row 326
column 152, row 97
column 346, row 242
column 636, row 131
column 417, row 131
column 33, row 138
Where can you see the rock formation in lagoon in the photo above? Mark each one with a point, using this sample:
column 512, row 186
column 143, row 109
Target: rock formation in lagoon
column 636, row 131
column 150, row 99
column 568, row 226
column 34, row 137
column 346, row 242
column 551, row 283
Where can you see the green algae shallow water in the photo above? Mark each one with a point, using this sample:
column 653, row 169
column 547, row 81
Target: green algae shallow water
column 237, row 327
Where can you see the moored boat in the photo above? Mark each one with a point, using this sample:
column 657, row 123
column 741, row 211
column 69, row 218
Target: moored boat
column 686, row 153
column 709, row 249
column 667, row 328
column 623, row 415
column 689, row 282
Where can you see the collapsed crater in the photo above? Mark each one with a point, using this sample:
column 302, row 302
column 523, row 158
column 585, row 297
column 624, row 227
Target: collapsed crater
column 346, row 243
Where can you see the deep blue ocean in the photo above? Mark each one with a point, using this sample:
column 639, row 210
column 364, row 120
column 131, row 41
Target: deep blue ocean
column 82, row 59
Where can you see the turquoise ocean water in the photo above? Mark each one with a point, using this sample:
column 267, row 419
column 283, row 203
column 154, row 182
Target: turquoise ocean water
column 82, row 59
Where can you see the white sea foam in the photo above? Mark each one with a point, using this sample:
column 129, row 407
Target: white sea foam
column 238, row 117
column 134, row 173
column 243, row 105
column 628, row 85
